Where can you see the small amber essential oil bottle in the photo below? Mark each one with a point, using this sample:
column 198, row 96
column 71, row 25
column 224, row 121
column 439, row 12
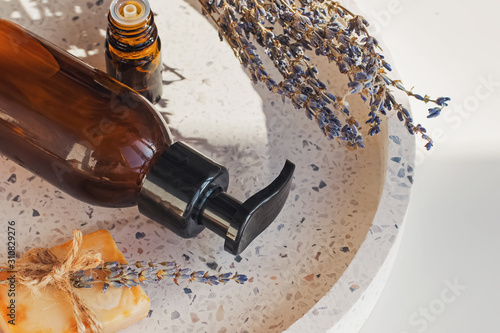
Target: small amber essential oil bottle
column 133, row 48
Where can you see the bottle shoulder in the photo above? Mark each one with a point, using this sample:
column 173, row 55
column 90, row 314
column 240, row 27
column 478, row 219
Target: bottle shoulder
column 123, row 138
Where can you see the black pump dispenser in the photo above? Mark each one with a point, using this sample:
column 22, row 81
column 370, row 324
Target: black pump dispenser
column 114, row 149
column 185, row 192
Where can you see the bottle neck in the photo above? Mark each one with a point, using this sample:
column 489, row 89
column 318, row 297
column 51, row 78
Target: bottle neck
column 132, row 38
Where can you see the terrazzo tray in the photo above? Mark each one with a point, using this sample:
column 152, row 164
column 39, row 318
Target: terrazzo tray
column 320, row 266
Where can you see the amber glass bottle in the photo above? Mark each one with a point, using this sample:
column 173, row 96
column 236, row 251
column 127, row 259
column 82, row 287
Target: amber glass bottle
column 72, row 124
column 133, row 48
column 104, row 144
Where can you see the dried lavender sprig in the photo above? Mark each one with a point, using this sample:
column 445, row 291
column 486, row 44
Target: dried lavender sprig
column 300, row 85
column 130, row 275
column 331, row 30
column 372, row 78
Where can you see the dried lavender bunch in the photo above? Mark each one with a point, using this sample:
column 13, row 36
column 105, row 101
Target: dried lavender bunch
column 287, row 30
column 130, row 275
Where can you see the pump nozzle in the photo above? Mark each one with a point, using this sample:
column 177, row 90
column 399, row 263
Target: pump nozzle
column 185, row 192
column 239, row 224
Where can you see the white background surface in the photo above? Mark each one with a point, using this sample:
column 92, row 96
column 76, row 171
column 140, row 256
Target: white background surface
column 451, row 234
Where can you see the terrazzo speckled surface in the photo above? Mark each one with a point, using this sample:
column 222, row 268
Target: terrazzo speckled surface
column 319, row 266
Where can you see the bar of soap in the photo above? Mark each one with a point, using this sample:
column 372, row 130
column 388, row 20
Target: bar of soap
column 51, row 312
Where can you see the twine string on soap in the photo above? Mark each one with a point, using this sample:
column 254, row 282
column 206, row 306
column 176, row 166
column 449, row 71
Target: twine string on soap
column 40, row 268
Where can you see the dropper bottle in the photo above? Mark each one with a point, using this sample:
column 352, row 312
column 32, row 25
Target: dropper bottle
column 103, row 143
column 133, row 48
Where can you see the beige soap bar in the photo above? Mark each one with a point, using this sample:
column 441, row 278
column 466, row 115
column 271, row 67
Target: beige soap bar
column 50, row 312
